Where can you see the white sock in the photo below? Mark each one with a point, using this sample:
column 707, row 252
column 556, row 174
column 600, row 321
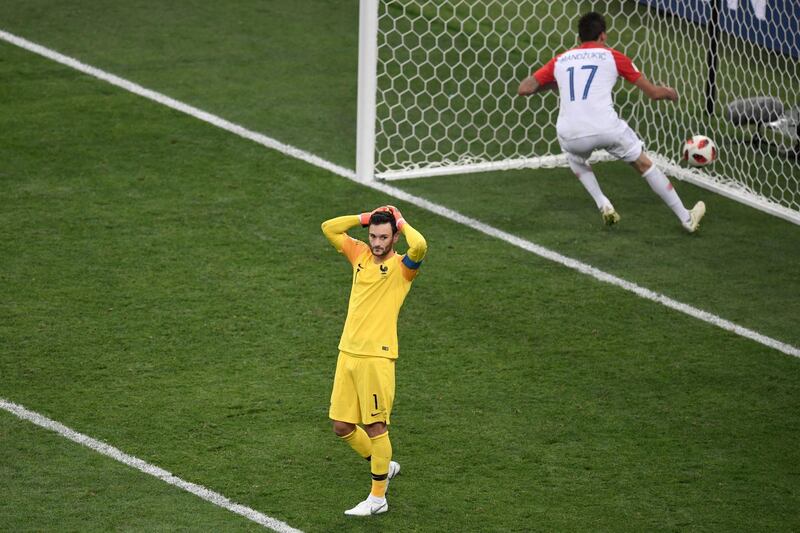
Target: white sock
column 589, row 181
column 662, row 187
column 375, row 499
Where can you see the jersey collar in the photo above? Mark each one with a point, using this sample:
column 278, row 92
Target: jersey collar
column 592, row 44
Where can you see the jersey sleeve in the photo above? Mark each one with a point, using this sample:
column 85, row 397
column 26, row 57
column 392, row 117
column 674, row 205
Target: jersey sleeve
column 417, row 248
column 335, row 231
column 625, row 66
column 546, row 74
column 352, row 248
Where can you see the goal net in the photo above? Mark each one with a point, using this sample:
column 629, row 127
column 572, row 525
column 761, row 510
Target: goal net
column 444, row 75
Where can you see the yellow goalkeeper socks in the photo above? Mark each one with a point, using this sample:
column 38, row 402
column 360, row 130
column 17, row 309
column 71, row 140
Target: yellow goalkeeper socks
column 381, row 456
column 359, row 441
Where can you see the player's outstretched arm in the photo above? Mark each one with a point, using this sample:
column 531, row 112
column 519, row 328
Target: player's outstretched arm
column 530, row 85
column 656, row 92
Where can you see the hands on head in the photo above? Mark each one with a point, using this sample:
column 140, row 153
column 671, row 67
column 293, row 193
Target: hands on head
column 398, row 217
column 364, row 217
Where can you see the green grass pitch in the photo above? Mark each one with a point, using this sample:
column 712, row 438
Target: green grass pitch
column 165, row 288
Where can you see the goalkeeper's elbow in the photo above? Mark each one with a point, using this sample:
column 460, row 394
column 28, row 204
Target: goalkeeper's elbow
column 329, row 232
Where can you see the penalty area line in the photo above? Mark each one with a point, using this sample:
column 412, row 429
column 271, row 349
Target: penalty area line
column 589, row 270
column 101, row 447
column 172, row 103
column 399, row 194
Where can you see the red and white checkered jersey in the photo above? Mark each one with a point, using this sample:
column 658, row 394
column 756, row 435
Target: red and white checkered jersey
column 586, row 76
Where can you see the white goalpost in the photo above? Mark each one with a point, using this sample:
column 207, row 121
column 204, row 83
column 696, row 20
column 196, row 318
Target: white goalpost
column 437, row 86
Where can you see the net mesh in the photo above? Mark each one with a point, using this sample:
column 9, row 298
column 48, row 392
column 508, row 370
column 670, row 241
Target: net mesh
column 448, row 73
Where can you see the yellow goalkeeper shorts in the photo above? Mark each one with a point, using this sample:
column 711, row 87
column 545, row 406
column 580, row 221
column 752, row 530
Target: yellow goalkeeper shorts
column 363, row 389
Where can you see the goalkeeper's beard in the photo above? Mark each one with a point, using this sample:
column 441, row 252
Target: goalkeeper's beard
column 376, row 251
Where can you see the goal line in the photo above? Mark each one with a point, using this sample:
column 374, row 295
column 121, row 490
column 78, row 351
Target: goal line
column 437, row 88
column 400, row 194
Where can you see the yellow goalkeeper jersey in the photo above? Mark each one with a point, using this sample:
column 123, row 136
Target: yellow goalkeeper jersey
column 378, row 289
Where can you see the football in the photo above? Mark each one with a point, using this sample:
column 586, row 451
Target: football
column 699, row 151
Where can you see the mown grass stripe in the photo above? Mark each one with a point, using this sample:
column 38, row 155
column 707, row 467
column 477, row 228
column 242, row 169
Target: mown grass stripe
column 101, row 447
column 399, row 194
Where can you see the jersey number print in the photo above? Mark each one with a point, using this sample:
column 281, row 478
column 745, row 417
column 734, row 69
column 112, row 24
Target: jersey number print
column 571, row 70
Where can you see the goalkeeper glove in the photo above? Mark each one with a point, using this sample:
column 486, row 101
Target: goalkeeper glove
column 398, row 217
column 364, row 217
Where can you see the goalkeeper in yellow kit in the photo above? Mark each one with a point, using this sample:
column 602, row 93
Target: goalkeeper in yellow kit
column 363, row 388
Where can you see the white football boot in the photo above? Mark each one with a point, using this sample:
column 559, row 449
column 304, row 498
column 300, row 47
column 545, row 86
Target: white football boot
column 695, row 215
column 609, row 214
column 368, row 507
column 394, row 469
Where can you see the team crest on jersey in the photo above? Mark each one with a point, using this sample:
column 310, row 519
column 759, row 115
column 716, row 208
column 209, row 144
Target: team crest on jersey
column 384, row 269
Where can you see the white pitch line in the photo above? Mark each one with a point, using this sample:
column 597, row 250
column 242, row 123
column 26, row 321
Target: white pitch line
column 589, row 270
column 174, row 104
column 268, row 142
column 402, row 195
column 407, row 197
column 105, row 449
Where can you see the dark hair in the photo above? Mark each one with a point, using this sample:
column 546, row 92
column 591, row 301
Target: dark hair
column 383, row 217
column 590, row 26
